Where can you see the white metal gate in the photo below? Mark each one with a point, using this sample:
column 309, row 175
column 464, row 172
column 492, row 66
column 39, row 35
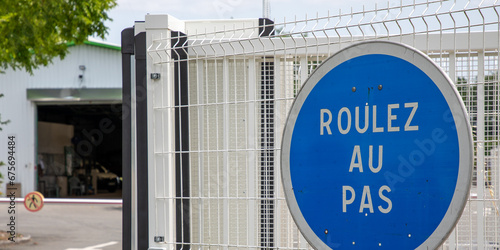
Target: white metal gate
column 217, row 110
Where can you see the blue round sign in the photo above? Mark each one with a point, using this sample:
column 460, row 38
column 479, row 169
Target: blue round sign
column 377, row 151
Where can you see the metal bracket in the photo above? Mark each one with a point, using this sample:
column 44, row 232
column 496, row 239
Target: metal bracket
column 159, row 239
column 155, row 76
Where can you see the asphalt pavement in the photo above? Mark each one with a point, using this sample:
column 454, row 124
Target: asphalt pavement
column 66, row 226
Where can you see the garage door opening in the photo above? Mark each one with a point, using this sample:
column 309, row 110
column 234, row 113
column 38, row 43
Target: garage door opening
column 79, row 151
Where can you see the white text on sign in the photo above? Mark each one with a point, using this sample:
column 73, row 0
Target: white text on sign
column 344, row 124
column 366, row 197
column 326, row 118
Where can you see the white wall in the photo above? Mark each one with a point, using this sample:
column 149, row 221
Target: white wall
column 103, row 70
column 15, row 107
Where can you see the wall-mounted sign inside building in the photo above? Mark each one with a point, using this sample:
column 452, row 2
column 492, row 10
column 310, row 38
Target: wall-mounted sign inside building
column 377, row 151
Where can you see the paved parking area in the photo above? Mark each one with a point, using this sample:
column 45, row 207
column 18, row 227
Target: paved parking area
column 67, row 226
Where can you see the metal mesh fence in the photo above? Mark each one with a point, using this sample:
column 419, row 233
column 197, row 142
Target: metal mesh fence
column 217, row 114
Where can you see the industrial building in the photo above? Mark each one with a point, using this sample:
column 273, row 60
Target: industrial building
column 66, row 122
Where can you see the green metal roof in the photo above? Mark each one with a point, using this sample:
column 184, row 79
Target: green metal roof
column 97, row 44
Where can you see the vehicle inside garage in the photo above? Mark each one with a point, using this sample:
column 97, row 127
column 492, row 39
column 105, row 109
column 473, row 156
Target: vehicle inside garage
column 79, row 150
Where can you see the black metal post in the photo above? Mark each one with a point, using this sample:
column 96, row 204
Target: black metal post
column 127, row 52
column 267, row 167
column 181, row 140
column 142, row 141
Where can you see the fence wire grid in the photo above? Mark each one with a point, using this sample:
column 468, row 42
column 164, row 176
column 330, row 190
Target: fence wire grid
column 217, row 114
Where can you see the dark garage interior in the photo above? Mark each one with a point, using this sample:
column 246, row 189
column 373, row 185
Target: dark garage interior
column 80, row 150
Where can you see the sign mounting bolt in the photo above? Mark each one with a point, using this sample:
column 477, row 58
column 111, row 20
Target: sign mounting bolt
column 326, row 231
column 353, row 89
column 380, row 87
column 155, row 76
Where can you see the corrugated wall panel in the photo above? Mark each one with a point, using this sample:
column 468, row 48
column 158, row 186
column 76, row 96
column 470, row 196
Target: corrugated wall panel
column 102, row 70
column 21, row 113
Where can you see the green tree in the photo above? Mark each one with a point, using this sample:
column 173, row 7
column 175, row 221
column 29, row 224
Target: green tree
column 35, row 32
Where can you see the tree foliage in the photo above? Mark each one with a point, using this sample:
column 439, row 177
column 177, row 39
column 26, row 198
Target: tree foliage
column 35, row 32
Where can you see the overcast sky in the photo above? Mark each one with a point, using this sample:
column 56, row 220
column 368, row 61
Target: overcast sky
column 129, row 11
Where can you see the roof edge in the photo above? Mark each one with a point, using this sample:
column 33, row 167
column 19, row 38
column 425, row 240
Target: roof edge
column 97, row 44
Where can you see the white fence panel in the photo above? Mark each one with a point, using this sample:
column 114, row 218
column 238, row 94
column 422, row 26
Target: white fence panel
column 218, row 111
